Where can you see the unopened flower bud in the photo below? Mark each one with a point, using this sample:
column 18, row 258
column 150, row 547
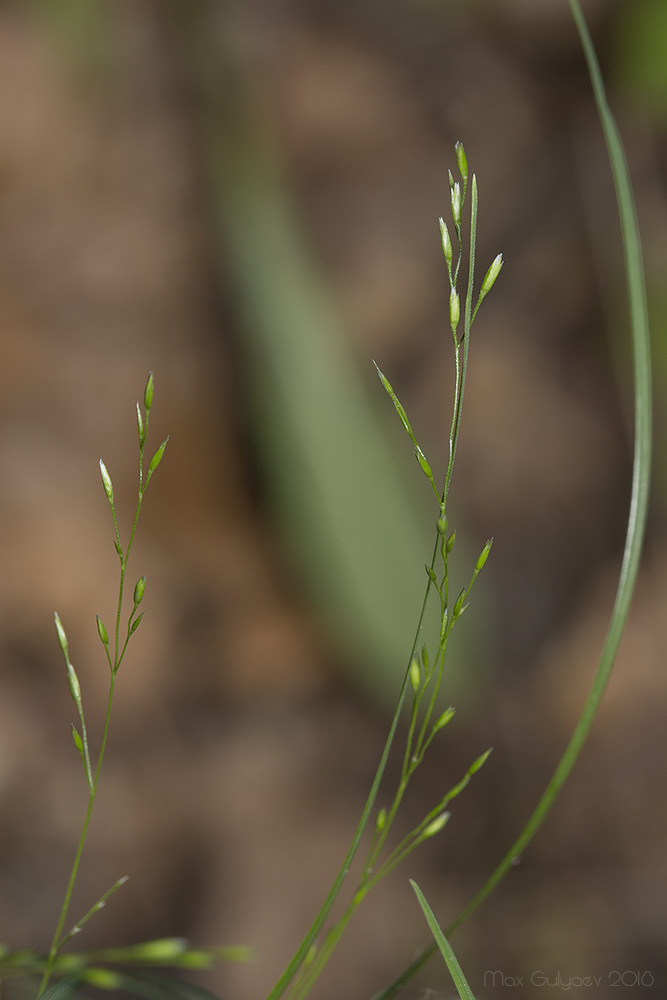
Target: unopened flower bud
column 78, row 742
column 139, row 588
column 454, row 309
column 102, row 632
column 442, row 720
column 475, row 766
column 73, row 681
column 436, row 825
column 446, row 242
column 461, row 160
column 136, row 623
column 106, row 482
column 148, row 392
column 491, row 275
column 456, row 204
column 483, row 556
column 157, row 457
column 62, row 638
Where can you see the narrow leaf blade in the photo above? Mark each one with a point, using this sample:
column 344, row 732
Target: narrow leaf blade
column 63, row 990
column 455, row 970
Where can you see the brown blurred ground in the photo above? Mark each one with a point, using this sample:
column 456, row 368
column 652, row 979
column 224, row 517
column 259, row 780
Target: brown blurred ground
column 240, row 751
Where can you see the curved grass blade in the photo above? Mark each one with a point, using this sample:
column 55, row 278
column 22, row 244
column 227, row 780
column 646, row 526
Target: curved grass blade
column 455, row 970
column 641, row 472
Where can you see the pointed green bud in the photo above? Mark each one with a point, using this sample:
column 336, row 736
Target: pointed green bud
column 78, row 742
column 442, row 720
column 118, row 548
column 454, row 309
column 450, row 541
column 148, row 393
column 431, row 575
column 139, row 590
column 442, row 526
column 446, row 241
column 140, row 425
column 458, row 607
column 461, row 160
column 106, row 482
column 436, row 825
column 74, row 686
column 381, row 820
column 62, row 638
column 475, row 766
column 415, row 676
column 491, row 275
column 397, row 404
column 136, row 623
column 484, row 555
column 102, row 632
column 451, row 179
column 423, row 462
column 425, row 657
column 157, row 457
column 455, row 194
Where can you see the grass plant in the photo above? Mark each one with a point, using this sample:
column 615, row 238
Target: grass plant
column 115, row 654
column 129, row 968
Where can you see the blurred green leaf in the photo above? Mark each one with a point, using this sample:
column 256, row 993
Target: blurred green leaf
column 640, row 43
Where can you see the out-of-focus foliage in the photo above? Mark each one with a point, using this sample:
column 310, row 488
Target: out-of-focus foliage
column 640, row 59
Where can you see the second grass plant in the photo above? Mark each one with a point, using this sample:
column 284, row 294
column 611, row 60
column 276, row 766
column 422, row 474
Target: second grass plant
column 424, row 673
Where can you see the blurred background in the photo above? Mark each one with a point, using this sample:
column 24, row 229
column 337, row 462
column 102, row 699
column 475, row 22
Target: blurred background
column 244, row 197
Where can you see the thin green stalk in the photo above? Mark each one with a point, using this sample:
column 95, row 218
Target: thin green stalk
column 56, row 942
column 420, row 746
column 118, row 658
column 305, row 946
column 312, row 973
column 637, row 517
column 462, row 367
